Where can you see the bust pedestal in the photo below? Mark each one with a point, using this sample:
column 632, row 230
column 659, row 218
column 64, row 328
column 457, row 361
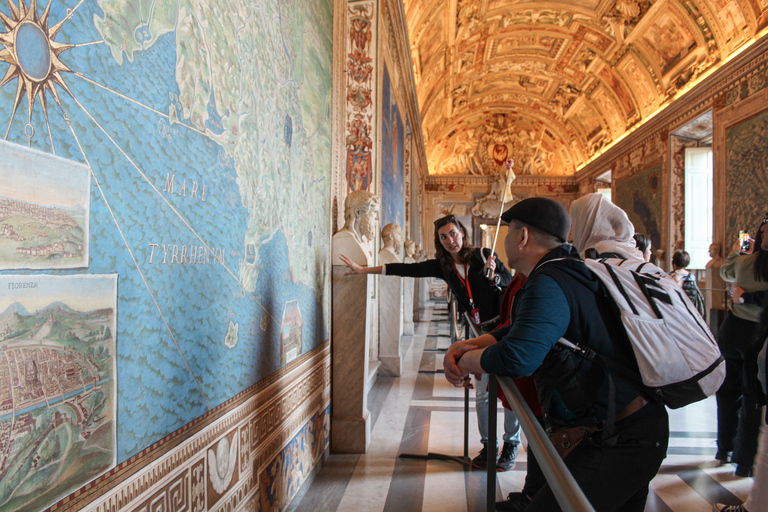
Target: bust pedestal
column 390, row 318
column 350, row 419
column 416, row 293
column 390, row 325
column 408, row 284
column 424, row 285
column 714, row 296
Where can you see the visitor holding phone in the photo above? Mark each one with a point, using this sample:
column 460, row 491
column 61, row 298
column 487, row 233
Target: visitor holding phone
column 738, row 412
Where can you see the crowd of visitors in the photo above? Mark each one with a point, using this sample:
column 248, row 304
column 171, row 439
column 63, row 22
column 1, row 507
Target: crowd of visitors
column 623, row 432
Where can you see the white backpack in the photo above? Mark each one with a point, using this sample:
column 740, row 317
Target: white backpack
column 677, row 355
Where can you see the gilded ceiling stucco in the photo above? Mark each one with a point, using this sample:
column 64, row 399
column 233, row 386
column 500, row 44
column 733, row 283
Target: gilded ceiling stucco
column 551, row 84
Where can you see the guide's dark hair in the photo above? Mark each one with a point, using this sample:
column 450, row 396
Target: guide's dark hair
column 445, row 258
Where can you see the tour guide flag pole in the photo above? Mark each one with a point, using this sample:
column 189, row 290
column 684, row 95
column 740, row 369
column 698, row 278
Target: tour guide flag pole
column 510, row 178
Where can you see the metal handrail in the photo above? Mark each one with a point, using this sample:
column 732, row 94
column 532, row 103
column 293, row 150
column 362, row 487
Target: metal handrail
column 569, row 495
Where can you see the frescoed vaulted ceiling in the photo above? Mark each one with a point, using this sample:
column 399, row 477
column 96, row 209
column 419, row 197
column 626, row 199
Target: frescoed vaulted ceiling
column 550, row 84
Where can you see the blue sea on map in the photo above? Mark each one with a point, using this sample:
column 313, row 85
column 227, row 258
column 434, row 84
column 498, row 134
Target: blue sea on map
column 173, row 365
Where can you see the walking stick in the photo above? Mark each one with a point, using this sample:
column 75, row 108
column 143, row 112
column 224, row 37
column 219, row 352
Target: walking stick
column 510, row 178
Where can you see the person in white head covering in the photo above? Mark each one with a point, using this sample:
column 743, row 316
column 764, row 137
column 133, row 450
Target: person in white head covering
column 601, row 225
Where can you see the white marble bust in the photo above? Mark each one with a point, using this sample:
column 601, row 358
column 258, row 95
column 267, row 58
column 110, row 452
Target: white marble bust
column 392, row 242
column 355, row 239
column 717, row 258
column 410, row 251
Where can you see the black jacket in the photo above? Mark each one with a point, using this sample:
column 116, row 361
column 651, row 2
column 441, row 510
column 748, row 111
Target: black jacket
column 487, row 295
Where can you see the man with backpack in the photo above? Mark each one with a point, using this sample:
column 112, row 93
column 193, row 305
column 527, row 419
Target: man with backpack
column 620, row 437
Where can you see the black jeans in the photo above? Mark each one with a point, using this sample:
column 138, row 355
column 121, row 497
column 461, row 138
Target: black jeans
column 616, row 477
column 738, row 413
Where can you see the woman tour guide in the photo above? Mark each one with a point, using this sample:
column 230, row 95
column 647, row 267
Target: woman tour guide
column 477, row 279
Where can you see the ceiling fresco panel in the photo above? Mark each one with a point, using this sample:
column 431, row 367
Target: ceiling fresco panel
column 531, row 45
column 431, row 40
column 588, row 71
column 588, row 120
column 604, row 102
column 640, row 82
column 535, row 18
column 511, row 82
column 669, row 39
column 733, row 21
column 627, row 103
column 496, row 5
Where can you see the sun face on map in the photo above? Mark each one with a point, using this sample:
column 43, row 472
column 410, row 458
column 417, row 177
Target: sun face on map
column 33, row 56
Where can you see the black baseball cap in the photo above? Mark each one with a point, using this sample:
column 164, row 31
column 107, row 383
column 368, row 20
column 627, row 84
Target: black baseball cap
column 542, row 213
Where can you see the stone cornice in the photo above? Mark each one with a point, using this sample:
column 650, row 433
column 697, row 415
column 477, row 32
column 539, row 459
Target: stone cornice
column 489, row 180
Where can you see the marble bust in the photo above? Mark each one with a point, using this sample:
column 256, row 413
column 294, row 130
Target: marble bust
column 392, row 242
column 715, row 283
column 715, row 252
column 355, row 239
column 410, row 251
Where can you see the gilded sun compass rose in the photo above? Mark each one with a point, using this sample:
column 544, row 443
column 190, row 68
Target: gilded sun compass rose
column 29, row 48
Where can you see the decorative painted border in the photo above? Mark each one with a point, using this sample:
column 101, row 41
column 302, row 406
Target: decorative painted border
column 360, row 103
column 489, row 180
column 338, row 118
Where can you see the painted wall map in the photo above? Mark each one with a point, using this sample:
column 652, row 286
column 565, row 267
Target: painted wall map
column 44, row 205
column 392, row 172
column 746, row 186
column 57, row 385
column 204, row 125
column 640, row 197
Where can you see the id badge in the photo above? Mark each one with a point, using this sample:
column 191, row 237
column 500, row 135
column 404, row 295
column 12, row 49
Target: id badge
column 476, row 316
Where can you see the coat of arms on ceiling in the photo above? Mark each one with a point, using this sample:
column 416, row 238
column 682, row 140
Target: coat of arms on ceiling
column 484, row 151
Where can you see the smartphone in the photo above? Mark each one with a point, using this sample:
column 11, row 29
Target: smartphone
column 743, row 241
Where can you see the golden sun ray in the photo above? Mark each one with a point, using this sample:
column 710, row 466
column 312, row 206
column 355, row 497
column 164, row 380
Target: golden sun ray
column 32, row 55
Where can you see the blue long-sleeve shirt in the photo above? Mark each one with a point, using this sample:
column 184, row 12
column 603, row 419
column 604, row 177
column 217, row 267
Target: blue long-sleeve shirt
column 540, row 320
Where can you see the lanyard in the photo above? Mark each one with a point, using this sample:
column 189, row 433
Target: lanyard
column 465, row 282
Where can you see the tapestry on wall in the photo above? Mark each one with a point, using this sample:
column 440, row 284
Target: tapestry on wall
column 746, row 147
column 392, row 158
column 640, row 197
column 207, row 147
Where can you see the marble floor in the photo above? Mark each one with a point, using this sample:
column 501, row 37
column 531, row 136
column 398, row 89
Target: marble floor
column 420, row 412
